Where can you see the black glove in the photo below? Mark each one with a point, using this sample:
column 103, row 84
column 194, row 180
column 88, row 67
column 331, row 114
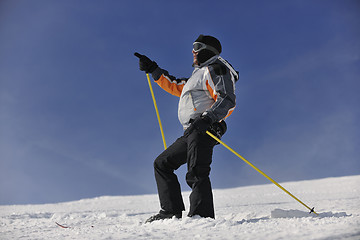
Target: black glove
column 145, row 63
column 200, row 124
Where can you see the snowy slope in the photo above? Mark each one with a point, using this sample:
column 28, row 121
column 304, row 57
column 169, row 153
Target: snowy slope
column 254, row 212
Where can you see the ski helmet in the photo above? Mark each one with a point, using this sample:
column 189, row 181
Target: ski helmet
column 207, row 47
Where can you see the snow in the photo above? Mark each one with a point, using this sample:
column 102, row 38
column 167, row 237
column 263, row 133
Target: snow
column 252, row 212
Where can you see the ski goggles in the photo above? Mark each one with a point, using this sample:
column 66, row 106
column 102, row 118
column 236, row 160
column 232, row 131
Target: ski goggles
column 198, row 46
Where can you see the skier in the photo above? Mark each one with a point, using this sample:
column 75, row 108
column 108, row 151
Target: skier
column 206, row 99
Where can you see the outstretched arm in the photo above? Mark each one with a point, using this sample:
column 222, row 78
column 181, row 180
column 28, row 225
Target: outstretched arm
column 166, row 81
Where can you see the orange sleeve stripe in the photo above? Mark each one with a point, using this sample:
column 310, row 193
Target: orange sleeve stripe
column 229, row 112
column 170, row 86
column 211, row 91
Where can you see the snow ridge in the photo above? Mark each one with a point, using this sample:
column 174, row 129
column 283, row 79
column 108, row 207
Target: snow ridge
column 253, row 212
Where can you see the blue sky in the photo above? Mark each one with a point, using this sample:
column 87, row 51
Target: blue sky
column 77, row 118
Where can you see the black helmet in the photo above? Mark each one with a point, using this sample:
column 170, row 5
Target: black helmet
column 207, row 47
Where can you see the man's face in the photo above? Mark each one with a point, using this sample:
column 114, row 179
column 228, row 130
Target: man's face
column 195, row 57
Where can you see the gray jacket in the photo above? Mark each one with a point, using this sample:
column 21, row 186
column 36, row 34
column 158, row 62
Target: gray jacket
column 209, row 91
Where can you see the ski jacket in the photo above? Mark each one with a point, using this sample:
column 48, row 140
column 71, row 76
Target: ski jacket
column 209, row 91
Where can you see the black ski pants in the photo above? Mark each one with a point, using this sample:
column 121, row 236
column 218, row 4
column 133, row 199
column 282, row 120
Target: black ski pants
column 196, row 150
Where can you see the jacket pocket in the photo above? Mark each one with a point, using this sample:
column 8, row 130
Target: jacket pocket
column 192, row 101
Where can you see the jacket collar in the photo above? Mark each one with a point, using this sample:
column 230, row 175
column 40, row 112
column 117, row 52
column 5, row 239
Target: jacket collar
column 209, row 61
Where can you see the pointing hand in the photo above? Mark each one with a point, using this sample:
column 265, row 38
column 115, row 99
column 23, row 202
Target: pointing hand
column 145, row 64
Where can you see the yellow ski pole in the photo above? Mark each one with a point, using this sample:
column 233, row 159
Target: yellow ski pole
column 242, row 158
column 157, row 111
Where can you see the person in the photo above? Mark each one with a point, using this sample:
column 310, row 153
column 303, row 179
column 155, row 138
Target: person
column 207, row 98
